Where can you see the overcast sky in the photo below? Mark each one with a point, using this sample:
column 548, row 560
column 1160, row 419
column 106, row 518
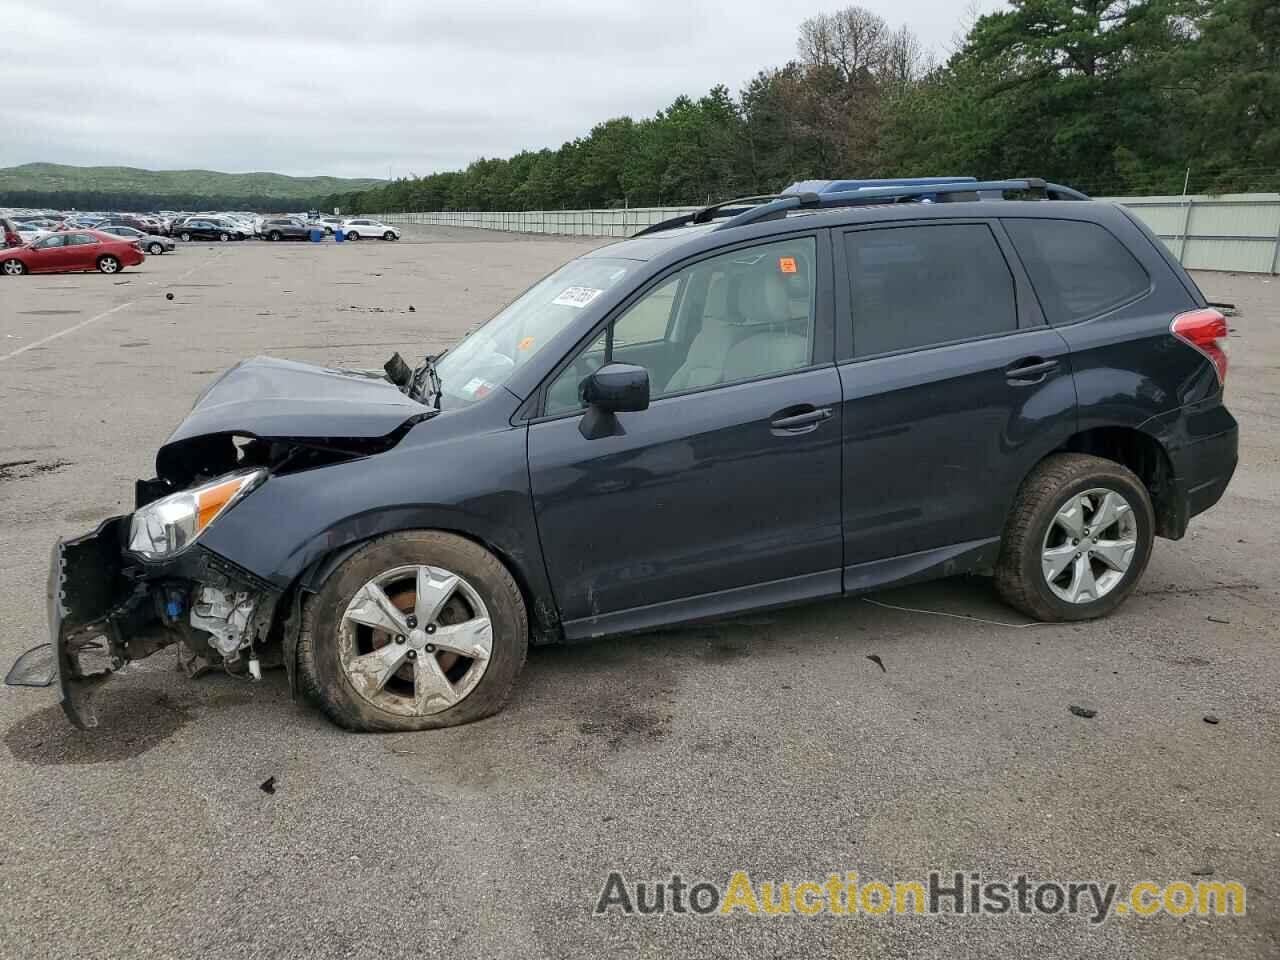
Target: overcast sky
column 357, row 89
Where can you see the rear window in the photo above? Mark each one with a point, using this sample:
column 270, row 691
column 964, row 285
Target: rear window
column 920, row 286
column 1079, row 269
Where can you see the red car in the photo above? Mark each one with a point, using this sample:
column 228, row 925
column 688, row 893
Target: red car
column 70, row 252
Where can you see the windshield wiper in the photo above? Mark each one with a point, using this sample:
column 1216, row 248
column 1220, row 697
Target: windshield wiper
column 424, row 375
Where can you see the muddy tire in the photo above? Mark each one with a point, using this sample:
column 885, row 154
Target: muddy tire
column 356, row 663
column 1077, row 540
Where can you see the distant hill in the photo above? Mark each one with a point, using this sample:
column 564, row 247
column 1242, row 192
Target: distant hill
column 53, row 184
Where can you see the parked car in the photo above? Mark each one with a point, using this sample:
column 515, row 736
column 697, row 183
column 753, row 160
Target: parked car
column 329, row 224
column 71, row 252
column 761, row 403
column 364, row 227
column 207, row 228
column 152, row 243
column 10, row 235
column 30, row 232
column 285, row 228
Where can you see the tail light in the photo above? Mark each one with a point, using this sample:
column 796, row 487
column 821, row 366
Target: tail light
column 1206, row 331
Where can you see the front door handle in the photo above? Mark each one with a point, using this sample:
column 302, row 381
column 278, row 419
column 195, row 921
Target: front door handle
column 1030, row 370
column 802, row 421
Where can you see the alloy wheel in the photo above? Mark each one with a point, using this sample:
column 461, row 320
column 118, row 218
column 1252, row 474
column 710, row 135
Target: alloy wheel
column 109, row 265
column 415, row 640
column 1089, row 546
column 14, row 268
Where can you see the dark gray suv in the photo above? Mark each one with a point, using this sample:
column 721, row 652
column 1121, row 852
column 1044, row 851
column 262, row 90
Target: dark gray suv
column 769, row 401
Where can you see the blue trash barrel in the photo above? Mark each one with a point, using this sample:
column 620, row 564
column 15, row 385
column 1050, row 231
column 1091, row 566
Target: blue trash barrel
column 339, row 234
column 316, row 234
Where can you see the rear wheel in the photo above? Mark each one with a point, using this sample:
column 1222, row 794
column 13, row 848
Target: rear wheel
column 389, row 235
column 353, row 235
column 416, row 630
column 155, row 249
column 13, row 268
column 185, row 237
column 108, row 264
column 273, row 235
column 224, row 237
column 1078, row 539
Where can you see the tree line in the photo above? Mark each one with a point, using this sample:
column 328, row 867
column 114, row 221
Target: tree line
column 1113, row 97
column 142, row 201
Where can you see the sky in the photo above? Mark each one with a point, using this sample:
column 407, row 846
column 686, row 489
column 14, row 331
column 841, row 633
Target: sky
column 367, row 89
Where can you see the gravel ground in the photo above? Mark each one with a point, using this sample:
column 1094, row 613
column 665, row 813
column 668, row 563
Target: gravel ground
column 772, row 743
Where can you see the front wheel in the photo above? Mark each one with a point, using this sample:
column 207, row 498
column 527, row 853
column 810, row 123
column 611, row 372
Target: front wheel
column 108, row 264
column 155, row 249
column 1077, row 540
column 224, row 237
column 13, row 268
column 414, row 631
column 353, row 235
column 389, row 235
column 184, row 237
column 273, row 235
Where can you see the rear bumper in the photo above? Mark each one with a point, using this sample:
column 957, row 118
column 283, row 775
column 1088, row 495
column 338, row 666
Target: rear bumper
column 1202, row 469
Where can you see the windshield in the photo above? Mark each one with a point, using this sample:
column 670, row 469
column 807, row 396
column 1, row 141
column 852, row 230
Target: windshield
column 489, row 355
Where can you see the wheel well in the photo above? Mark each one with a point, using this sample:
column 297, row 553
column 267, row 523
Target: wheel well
column 544, row 619
column 1143, row 454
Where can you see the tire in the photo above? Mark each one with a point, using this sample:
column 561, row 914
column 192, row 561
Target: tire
column 353, row 236
column 328, row 639
column 224, row 237
column 155, row 249
column 13, row 268
column 1035, row 540
column 273, row 236
column 184, row 237
column 328, row 231
column 389, row 235
column 109, row 264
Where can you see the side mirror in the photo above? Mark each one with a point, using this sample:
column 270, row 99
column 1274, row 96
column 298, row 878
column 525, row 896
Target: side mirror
column 617, row 388
column 614, row 388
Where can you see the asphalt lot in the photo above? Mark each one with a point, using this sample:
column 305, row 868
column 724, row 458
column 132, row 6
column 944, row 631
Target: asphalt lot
column 771, row 744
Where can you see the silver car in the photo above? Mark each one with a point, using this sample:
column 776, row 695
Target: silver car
column 151, row 243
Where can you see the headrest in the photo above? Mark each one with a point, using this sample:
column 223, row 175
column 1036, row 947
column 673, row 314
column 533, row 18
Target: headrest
column 762, row 298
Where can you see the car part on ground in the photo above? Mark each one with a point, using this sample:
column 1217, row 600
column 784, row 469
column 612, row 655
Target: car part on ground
column 1038, row 394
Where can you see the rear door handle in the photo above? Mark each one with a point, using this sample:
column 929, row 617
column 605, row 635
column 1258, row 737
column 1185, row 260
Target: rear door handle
column 798, row 422
column 1030, row 370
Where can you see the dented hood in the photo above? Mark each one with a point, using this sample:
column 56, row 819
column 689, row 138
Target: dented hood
column 270, row 398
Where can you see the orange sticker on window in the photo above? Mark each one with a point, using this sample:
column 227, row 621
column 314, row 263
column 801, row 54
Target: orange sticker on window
column 787, row 264
column 525, row 344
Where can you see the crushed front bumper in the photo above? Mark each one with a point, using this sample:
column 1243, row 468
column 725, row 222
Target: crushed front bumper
column 107, row 608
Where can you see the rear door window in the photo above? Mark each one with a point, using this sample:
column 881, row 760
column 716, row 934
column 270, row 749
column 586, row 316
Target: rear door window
column 1079, row 269
column 924, row 285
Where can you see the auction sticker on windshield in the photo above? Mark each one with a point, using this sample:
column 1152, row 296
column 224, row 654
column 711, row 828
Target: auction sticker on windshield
column 577, row 296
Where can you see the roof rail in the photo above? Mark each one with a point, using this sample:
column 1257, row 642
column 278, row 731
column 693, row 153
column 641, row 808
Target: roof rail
column 930, row 190
column 707, row 214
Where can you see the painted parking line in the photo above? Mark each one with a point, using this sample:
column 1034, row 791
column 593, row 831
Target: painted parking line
column 102, row 316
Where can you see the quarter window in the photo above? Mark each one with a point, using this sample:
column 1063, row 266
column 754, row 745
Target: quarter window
column 1079, row 269
column 920, row 286
column 738, row 316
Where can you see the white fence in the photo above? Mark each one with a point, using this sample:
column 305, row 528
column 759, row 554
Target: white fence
column 1239, row 232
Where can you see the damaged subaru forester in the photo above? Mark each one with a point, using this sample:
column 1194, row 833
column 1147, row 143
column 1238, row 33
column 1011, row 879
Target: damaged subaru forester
column 843, row 387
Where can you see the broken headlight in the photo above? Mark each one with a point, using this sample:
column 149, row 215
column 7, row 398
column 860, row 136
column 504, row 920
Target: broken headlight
column 170, row 525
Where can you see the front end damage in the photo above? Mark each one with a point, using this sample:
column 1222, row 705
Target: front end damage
column 143, row 582
column 108, row 609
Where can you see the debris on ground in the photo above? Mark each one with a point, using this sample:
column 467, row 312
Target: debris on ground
column 411, row 310
column 268, row 785
column 1211, row 718
column 168, row 296
column 1213, row 619
column 1087, row 712
column 1205, row 871
column 875, row 658
column 35, row 668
